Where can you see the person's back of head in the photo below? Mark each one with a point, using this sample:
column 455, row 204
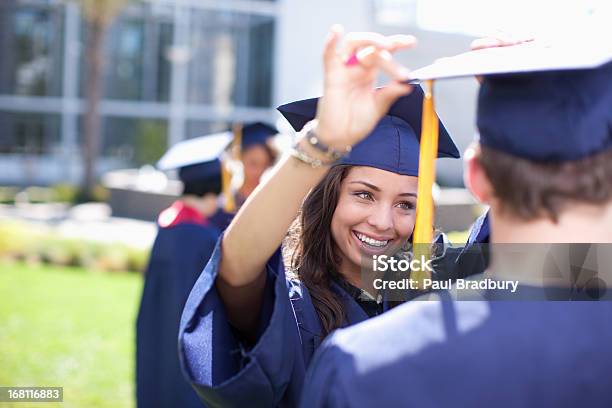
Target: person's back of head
column 544, row 160
column 199, row 167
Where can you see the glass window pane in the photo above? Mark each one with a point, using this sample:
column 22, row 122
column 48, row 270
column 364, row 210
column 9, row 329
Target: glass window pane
column 132, row 141
column 29, row 133
column 135, row 62
column 231, row 59
column 196, row 128
column 32, row 43
column 124, row 68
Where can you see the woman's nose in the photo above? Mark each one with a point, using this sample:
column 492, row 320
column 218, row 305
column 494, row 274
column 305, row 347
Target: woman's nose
column 381, row 218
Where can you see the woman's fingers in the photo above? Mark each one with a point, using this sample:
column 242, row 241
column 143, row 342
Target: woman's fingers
column 367, row 49
column 372, row 58
column 331, row 44
column 357, row 40
column 354, row 42
column 389, row 94
column 400, row 41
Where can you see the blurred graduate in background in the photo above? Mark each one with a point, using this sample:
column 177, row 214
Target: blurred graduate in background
column 184, row 243
column 253, row 148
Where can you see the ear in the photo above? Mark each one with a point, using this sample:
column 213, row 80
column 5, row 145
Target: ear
column 474, row 176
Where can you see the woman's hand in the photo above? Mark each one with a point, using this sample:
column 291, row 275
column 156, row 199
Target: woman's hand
column 351, row 106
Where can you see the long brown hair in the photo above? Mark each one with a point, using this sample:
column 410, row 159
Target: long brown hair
column 310, row 251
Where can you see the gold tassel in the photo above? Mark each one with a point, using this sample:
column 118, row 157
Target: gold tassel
column 237, row 141
column 226, row 180
column 423, row 229
column 226, row 175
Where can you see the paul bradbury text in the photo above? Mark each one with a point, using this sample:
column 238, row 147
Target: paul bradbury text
column 459, row 284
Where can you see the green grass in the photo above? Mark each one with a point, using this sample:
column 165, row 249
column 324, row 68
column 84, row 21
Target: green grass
column 70, row 328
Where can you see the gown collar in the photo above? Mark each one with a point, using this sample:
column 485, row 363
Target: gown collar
column 180, row 213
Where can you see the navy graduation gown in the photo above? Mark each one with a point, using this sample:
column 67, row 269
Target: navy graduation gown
column 473, row 258
column 271, row 373
column 222, row 219
column 179, row 253
column 469, row 354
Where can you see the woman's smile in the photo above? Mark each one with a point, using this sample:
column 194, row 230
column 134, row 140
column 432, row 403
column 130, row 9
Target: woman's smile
column 371, row 245
column 374, row 215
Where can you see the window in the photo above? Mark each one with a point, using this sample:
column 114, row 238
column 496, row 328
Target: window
column 31, row 41
column 29, row 133
column 231, row 59
column 134, row 142
column 136, row 66
column 196, row 128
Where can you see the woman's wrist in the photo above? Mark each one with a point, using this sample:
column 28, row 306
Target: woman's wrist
column 312, row 149
column 325, row 139
column 311, row 143
column 307, row 154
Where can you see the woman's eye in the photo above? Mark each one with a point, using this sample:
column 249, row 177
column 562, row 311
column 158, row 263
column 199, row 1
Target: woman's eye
column 406, row 205
column 364, row 195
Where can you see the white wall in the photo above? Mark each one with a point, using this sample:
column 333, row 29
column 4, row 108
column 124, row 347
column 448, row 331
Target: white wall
column 302, row 27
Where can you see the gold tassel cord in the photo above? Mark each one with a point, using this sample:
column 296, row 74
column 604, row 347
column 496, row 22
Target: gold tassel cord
column 423, row 229
column 226, row 175
column 237, row 141
column 226, row 181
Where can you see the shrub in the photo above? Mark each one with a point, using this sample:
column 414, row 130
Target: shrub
column 25, row 242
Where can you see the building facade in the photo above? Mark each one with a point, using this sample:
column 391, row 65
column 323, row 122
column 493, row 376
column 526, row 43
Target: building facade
column 174, row 69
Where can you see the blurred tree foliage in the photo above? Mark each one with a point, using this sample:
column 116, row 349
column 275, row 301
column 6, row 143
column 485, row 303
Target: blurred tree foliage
column 23, row 242
column 56, row 193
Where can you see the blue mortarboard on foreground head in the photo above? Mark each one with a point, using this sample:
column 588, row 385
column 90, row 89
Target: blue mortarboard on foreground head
column 198, row 158
column 550, row 116
column 540, row 102
column 393, row 145
column 256, row 133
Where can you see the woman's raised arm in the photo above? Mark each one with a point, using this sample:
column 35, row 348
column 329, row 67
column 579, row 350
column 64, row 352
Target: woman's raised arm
column 348, row 110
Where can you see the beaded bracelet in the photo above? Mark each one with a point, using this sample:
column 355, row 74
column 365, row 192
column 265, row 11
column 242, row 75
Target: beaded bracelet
column 329, row 152
column 304, row 157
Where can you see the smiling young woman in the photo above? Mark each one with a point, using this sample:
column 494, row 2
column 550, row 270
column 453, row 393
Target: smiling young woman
column 249, row 330
column 355, row 212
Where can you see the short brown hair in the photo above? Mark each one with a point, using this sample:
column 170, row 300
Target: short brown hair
column 531, row 190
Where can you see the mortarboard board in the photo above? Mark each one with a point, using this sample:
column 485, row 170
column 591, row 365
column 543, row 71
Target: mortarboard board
column 196, row 159
column 393, row 145
column 537, row 101
column 543, row 102
column 527, row 57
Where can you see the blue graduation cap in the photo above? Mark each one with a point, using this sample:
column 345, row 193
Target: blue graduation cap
column 256, row 133
column 198, row 158
column 393, row 145
column 542, row 102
